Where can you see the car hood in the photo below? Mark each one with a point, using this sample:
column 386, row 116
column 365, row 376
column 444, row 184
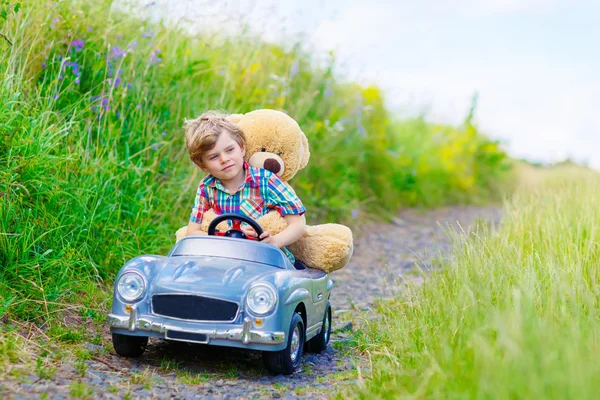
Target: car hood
column 209, row 275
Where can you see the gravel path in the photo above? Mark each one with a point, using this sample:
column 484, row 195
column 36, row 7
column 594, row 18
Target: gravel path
column 383, row 254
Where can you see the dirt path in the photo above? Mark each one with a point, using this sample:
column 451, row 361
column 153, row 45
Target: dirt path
column 383, row 254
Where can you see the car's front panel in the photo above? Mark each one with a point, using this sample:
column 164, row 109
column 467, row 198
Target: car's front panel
column 203, row 300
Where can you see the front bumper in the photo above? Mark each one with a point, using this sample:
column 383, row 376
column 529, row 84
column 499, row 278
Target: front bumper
column 155, row 327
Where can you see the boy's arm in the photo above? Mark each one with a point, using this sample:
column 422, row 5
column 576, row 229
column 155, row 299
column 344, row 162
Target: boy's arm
column 295, row 230
column 201, row 205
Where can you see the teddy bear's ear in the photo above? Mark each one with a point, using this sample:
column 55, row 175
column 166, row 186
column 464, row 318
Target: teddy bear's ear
column 306, row 152
column 235, row 117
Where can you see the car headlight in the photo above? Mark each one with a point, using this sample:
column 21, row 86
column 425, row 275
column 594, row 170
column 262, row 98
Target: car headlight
column 131, row 286
column 261, row 299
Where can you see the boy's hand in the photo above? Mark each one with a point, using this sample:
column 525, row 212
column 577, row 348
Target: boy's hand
column 268, row 238
column 248, row 231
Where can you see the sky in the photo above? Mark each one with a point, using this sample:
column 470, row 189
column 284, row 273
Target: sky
column 535, row 64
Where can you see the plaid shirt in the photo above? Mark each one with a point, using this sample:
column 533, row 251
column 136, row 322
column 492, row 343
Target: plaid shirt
column 261, row 192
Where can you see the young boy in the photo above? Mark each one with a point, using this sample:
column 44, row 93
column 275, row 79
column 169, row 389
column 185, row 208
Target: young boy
column 217, row 145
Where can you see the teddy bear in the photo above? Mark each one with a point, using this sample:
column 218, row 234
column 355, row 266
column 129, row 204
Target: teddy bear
column 275, row 141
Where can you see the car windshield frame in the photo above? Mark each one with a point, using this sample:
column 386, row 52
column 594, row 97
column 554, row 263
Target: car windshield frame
column 236, row 249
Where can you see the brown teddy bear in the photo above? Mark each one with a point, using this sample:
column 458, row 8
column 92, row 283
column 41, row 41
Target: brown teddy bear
column 274, row 141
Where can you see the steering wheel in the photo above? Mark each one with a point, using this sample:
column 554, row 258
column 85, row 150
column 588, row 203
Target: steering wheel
column 236, row 229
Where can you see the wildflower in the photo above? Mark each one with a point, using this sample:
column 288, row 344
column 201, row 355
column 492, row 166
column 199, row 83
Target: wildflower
column 164, row 134
column 156, row 146
column 118, row 114
column 222, row 73
column 133, row 44
column 354, row 213
column 78, row 45
column 118, row 53
column 154, row 59
column 362, row 131
column 56, row 97
column 44, row 65
column 294, row 69
column 148, row 34
column 139, row 107
column 188, row 52
column 60, row 77
column 328, row 92
column 150, row 4
column 77, row 81
column 89, row 29
column 129, row 84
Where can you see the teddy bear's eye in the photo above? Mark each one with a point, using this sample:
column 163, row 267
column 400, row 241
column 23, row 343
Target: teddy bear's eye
column 263, row 149
column 279, row 154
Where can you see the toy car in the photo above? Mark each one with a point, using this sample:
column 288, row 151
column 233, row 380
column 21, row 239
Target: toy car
column 224, row 289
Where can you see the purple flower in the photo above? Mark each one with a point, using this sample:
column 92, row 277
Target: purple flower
column 118, row 53
column 222, row 73
column 154, row 59
column 139, row 107
column 56, row 19
column 133, row 44
column 56, row 97
column 155, row 146
column 328, row 92
column 294, row 69
column 89, row 29
column 164, row 134
column 77, row 81
column 78, row 45
column 44, row 65
column 118, row 114
column 129, row 84
column 148, row 34
column 354, row 214
column 60, row 77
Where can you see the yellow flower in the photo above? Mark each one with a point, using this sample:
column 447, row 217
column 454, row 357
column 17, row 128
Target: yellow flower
column 188, row 52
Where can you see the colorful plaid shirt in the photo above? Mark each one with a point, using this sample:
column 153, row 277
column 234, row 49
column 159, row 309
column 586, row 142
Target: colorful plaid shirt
column 261, row 192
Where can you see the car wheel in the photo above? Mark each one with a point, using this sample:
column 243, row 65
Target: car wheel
column 319, row 342
column 129, row 346
column 288, row 359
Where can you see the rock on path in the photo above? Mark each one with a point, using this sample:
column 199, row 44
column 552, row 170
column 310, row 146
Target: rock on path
column 383, row 253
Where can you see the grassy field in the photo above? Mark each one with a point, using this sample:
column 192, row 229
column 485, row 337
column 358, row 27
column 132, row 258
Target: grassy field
column 515, row 315
column 93, row 165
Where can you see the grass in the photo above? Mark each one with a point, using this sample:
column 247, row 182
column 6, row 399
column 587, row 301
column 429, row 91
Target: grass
column 515, row 315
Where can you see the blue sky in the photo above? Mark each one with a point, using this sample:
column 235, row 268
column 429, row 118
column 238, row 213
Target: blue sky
column 535, row 64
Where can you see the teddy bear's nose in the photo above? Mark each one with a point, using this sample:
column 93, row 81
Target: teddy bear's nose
column 272, row 165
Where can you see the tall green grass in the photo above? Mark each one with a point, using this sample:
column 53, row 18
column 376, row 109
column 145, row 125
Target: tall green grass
column 93, row 168
column 515, row 315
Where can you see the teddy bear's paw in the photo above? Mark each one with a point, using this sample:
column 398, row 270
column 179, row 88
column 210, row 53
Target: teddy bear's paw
column 180, row 234
column 325, row 231
column 325, row 253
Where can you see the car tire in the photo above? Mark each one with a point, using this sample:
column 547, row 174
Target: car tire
column 319, row 342
column 129, row 346
column 287, row 360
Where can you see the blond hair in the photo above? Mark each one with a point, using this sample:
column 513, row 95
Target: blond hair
column 202, row 133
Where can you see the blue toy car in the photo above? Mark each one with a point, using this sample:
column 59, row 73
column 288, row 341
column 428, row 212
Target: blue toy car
column 224, row 289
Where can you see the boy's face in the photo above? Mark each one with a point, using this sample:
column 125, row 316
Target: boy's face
column 225, row 161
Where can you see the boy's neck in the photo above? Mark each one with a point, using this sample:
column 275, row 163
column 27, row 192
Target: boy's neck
column 233, row 184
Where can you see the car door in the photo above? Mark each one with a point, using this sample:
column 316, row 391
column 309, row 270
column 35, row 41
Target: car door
column 319, row 295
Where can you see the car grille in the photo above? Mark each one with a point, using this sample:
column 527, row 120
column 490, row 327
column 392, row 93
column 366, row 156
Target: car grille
column 195, row 308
